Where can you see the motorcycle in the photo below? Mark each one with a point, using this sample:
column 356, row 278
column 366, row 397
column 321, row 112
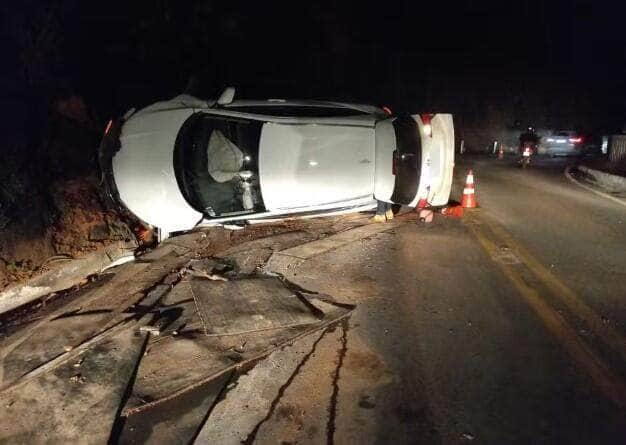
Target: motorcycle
column 527, row 150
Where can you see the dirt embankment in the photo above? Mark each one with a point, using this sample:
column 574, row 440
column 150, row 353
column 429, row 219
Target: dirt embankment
column 51, row 207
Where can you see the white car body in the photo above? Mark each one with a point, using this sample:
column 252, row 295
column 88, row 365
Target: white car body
column 336, row 157
column 562, row 143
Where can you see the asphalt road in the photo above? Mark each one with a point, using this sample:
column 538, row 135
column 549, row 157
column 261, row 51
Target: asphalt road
column 507, row 326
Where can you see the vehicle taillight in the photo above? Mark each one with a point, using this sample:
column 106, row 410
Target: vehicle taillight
column 387, row 110
column 575, row 140
column 428, row 129
column 108, row 128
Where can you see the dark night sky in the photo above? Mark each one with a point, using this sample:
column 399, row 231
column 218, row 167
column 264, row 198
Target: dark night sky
column 410, row 54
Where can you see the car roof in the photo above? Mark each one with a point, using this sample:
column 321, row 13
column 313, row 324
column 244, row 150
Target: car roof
column 367, row 115
column 364, row 108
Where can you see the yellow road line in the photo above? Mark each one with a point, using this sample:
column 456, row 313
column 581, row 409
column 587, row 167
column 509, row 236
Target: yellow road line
column 608, row 382
column 607, row 333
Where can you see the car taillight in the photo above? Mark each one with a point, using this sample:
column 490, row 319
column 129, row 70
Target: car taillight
column 108, row 128
column 428, row 129
column 387, row 110
column 575, row 140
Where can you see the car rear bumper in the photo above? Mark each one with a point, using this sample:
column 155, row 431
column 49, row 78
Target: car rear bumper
column 562, row 150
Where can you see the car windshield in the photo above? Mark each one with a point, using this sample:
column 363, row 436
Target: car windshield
column 216, row 165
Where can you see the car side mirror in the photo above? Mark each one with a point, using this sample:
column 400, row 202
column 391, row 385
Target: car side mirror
column 227, row 96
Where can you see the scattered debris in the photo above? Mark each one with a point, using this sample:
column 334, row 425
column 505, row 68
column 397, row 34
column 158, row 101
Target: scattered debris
column 202, row 274
column 240, row 348
column 426, row 215
column 79, row 363
column 171, row 278
column 467, row 436
column 177, row 326
column 453, row 211
column 68, row 348
column 152, row 330
column 78, row 378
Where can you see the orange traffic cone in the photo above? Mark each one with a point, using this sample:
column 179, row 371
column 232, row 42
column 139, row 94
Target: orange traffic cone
column 469, row 200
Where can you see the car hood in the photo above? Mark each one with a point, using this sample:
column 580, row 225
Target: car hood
column 143, row 169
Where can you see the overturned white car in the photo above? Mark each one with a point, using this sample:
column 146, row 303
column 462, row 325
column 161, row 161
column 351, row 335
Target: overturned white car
column 186, row 162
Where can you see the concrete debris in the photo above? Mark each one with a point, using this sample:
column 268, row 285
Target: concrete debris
column 171, row 278
column 152, row 330
column 70, row 274
column 202, row 274
column 78, row 378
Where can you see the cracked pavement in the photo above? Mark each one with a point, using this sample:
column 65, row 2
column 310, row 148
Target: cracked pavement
column 506, row 326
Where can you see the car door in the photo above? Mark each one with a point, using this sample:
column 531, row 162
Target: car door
column 414, row 159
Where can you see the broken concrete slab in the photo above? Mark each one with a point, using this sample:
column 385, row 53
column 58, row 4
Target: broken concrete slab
column 249, row 305
column 246, row 406
column 77, row 402
column 65, row 276
column 175, row 422
column 308, row 250
column 305, row 420
column 178, row 363
column 84, row 317
column 290, row 258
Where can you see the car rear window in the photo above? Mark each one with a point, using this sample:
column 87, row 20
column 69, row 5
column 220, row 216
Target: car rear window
column 407, row 160
column 565, row 133
column 297, row 111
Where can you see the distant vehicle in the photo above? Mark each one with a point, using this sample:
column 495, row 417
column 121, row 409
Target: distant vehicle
column 527, row 146
column 186, row 162
column 563, row 143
